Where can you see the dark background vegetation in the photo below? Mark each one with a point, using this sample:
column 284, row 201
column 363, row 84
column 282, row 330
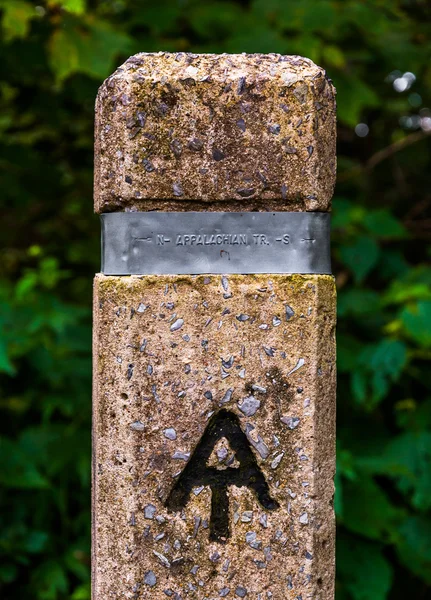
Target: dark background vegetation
column 54, row 55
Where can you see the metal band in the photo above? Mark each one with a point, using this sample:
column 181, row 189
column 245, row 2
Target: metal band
column 143, row 243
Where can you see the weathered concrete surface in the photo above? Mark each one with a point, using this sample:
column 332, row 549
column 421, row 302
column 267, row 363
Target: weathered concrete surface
column 172, row 353
column 234, row 132
column 168, row 352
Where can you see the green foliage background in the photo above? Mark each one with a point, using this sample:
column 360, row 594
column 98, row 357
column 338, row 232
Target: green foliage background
column 54, row 56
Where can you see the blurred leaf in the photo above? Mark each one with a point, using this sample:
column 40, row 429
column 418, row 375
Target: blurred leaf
column 407, row 458
column 83, row 592
column 18, row 470
column 255, row 36
column 333, row 57
column 16, row 18
column 416, row 320
column 73, row 6
column 35, row 541
column 159, row 18
column 358, row 302
column 304, row 15
column 416, row 285
column 415, row 548
column 360, row 256
column 368, row 512
column 89, row 48
column 51, row 580
column 381, row 224
column 8, row 572
column 378, row 367
column 211, row 19
column 348, row 348
column 363, row 570
column 387, row 359
column 346, row 213
column 64, row 55
column 5, row 364
column 354, row 96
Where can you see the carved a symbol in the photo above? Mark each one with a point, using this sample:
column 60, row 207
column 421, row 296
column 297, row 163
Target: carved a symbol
column 224, row 424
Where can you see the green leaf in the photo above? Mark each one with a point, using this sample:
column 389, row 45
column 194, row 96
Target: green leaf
column 161, row 18
column 346, row 213
column 414, row 285
column 416, row 320
column 367, row 510
column 363, row 570
column 16, row 18
column 360, row 256
column 401, row 292
column 392, row 263
column 5, row 364
column 348, row 349
column 414, row 416
column 414, row 548
column 51, row 580
column 381, row 224
column 378, row 366
column 255, row 36
column 407, row 459
column 35, row 541
column 315, row 16
column 302, row 15
column 389, row 357
column 358, row 302
column 387, row 360
column 8, row 572
column 333, row 56
column 63, row 54
column 83, row 592
column 354, row 96
column 76, row 7
column 90, row 49
column 215, row 18
column 359, row 383
column 345, row 465
column 18, row 469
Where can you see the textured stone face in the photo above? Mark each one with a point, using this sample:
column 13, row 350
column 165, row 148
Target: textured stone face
column 214, row 396
column 177, row 357
column 232, row 132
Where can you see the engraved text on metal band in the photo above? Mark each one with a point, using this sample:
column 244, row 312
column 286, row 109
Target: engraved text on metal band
column 141, row 243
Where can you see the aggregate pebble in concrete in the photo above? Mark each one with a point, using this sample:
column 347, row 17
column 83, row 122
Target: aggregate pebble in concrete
column 226, row 132
column 146, row 429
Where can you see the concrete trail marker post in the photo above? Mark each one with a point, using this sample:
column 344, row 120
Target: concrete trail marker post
column 214, row 318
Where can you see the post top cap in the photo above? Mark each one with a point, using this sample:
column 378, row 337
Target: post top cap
column 225, row 131
column 225, row 67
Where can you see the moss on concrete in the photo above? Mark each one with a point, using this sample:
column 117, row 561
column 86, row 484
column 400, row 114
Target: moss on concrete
column 229, row 132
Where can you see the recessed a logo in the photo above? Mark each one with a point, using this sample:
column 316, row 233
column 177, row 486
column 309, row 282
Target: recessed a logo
column 197, row 472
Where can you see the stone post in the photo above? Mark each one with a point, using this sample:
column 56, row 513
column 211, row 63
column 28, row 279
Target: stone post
column 214, row 349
